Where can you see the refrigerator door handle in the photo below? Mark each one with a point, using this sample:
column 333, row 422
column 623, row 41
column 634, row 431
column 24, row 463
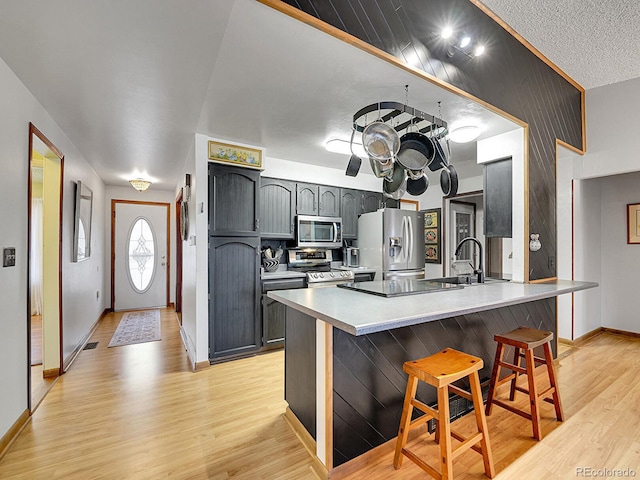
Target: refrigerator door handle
column 405, row 244
column 410, row 241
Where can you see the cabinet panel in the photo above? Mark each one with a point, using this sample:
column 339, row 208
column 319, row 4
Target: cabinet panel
column 329, row 201
column 372, row 201
column 273, row 320
column 498, row 216
column 277, row 208
column 306, row 199
column 350, row 206
column 233, row 201
column 234, row 304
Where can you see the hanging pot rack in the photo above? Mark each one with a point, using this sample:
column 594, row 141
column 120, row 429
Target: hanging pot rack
column 436, row 126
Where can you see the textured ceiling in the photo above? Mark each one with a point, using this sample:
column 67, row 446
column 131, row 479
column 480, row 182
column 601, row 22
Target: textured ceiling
column 594, row 42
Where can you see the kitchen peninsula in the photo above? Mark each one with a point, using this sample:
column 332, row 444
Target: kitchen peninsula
column 344, row 352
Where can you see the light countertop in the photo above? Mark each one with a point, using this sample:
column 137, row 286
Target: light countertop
column 361, row 313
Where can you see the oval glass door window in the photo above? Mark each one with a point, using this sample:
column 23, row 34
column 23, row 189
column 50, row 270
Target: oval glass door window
column 141, row 260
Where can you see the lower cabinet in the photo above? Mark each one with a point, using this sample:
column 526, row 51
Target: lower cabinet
column 274, row 313
column 234, row 296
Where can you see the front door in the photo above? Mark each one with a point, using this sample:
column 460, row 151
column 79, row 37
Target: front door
column 140, row 266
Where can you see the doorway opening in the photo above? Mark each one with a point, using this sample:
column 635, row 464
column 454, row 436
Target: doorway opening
column 44, row 266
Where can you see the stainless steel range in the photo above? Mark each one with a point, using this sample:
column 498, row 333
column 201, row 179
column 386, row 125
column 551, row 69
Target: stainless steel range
column 316, row 263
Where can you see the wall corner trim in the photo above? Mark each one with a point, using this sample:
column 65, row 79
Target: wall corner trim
column 7, row 439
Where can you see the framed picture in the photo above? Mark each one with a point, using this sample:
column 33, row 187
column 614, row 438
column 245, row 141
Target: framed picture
column 432, row 232
column 236, row 155
column 82, row 223
column 409, row 204
column 633, row 223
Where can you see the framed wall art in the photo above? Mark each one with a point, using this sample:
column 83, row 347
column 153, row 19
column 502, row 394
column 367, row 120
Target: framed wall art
column 432, row 234
column 235, row 155
column 633, row 223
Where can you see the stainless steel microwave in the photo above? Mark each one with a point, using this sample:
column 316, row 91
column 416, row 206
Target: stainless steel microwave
column 313, row 231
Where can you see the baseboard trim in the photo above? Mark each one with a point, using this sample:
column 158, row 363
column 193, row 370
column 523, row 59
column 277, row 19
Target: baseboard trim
column 76, row 351
column 309, row 443
column 621, row 332
column 199, row 366
column 51, row 373
column 582, row 339
column 13, row 432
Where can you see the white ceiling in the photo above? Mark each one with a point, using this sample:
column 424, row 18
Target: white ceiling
column 130, row 82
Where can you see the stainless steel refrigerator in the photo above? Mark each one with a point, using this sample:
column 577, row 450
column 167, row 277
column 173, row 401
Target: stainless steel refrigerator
column 391, row 240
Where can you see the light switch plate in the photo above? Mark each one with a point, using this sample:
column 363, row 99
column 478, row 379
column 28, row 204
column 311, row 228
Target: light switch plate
column 9, row 257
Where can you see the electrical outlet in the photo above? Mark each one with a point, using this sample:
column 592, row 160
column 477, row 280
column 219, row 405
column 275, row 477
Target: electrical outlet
column 552, row 262
column 97, row 294
column 9, row 257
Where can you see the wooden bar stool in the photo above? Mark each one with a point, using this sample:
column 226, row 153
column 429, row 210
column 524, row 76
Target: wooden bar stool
column 440, row 370
column 524, row 340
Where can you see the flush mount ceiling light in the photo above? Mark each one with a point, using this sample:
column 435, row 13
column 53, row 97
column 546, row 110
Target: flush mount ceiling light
column 464, row 134
column 446, row 32
column 140, row 184
column 337, row 145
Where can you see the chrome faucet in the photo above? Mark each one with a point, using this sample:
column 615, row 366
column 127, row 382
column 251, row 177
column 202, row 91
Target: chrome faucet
column 478, row 271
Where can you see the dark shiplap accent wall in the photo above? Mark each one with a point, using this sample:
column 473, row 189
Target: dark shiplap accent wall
column 368, row 381
column 508, row 76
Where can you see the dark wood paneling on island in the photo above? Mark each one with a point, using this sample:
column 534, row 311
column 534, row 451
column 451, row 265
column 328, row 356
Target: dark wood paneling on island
column 368, row 381
column 508, row 76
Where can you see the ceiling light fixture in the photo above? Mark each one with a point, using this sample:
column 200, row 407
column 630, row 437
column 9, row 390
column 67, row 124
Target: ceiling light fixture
column 446, row 32
column 479, row 50
column 464, row 134
column 337, row 145
column 466, row 40
column 139, row 184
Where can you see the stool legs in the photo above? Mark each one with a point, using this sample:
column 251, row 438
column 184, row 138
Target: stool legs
column 481, row 421
column 444, row 427
column 516, row 361
column 494, row 377
column 533, row 394
column 548, row 359
column 405, row 420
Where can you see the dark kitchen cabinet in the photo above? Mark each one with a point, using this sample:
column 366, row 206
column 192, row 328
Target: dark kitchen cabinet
column 390, row 202
column 307, row 199
column 234, row 296
column 274, row 313
column 329, row 201
column 233, row 201
column 312, row 199
column 498, row 211
column 371, row 201
column 277, row 208
column 350, row 208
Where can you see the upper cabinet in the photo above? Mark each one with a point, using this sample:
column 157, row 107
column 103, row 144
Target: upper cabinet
column 317, row 200
column 371, row 201
column 277, row 208
column 350, row 207
column 233, row 201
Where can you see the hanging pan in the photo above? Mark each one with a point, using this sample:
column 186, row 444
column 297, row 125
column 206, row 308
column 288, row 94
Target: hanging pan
column 380, row 141
column 416, row 151
column 417, row 186
column 449, row 181
column 395, row 186
column 441, row 156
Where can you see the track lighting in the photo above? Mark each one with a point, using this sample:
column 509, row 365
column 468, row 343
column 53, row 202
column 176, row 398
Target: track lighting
column 460, row 42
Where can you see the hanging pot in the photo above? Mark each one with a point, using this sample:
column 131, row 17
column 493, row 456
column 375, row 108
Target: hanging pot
column 395, row 186
column 449, row 181
column 380, row 141
column 416, row 151
column 381, row 169
column 440, row 157
column 417, row 186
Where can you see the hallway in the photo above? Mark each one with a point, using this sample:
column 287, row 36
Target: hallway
column 139, row 412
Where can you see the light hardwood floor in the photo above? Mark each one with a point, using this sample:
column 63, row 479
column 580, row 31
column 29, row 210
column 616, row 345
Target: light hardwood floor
column 138, row 412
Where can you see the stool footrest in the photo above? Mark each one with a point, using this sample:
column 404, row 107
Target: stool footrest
column 419, row 421
column 535, row 359
column 541, row 394
column 511, row 408
column 511, row 366
column 425, row 408
column 422, row 464
column 506, row 379
column 460, row 392
column 467, row 442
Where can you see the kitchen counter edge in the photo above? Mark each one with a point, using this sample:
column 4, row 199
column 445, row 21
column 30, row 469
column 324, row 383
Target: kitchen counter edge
column 360, row 313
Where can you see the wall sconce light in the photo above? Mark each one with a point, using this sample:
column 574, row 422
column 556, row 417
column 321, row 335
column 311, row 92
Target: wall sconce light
column 139, row 184
column 460, row 42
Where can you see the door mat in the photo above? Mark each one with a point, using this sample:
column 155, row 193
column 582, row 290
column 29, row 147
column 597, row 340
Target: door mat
column 137, row 327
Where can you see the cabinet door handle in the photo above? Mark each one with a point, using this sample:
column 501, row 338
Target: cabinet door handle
column 257, row 224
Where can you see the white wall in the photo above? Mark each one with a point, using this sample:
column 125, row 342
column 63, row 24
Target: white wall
column 620, row 262
column 79, row 280
column 151, row 195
